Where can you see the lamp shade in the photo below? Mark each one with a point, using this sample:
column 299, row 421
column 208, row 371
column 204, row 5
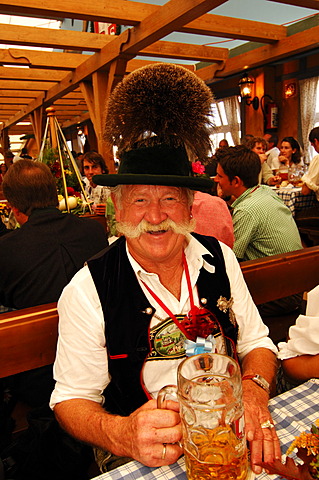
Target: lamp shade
column 246, row 85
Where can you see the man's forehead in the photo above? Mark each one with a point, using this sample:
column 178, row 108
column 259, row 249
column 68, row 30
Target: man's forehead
column 150, row 189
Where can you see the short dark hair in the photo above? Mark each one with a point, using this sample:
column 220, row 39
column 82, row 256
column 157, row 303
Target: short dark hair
column 273, row 139
column 314, row 134
column 28, row 185
column 252, row 142
column 96, row 159
column 240, row 161
column 296, row 157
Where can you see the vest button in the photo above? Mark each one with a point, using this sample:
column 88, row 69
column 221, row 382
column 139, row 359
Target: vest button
column 203, row 301
column 148, row 311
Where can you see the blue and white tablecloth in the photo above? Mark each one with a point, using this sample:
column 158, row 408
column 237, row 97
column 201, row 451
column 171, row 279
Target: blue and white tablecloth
column 294, row 200
column 293, row 412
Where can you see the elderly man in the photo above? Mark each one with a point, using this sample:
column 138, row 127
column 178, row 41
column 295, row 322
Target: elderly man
column 156, row 279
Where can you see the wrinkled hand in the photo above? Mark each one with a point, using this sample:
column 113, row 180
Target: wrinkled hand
column 145, row 431
column 263, row 442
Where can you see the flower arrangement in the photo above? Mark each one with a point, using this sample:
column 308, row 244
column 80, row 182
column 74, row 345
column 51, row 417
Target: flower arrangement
column 51, row 159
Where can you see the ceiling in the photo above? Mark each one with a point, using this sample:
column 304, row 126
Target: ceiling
column 217, row 38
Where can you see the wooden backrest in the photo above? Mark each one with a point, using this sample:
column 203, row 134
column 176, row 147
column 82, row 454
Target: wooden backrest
column 28, row 337
column 279, row 276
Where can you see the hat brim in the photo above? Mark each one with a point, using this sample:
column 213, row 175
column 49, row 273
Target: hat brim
column 193, row 183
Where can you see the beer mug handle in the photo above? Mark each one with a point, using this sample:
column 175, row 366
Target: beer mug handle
column 163, row 395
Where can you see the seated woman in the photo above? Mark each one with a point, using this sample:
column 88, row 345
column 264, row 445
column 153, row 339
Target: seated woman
column 290, row 154
column 300, row 354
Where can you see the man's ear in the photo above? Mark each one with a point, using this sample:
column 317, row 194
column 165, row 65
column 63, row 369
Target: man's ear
column 20, row 217
column 116, row 207
column 237, row 181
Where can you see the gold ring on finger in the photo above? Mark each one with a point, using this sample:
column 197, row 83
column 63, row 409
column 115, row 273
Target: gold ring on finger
column 164, row 451
column 267, row 424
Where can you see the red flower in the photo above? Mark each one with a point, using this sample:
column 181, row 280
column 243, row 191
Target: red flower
column 198, row 168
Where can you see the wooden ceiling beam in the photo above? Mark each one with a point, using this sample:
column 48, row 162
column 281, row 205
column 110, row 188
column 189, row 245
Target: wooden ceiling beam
column 14, row 94
column 125, row 12
column 25, row 85
column 34, row 74
column 314, row 4
column 41, row 59
column 52, row 38
column 295, row 44
column 14, row 101
column 43, row 37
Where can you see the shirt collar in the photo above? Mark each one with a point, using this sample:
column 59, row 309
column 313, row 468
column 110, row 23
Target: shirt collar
column 194, row 253
column 244, row 195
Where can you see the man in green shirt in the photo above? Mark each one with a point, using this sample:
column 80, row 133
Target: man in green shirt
column 263, row 224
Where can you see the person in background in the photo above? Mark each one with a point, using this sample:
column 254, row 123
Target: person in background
column 263, row 224
column 273, row 151
column 3, row 171
column 299, row 355
column 112, row 356
column 94, row 164
column 223, row 143
column 290, row 154
column 213, row 218
column 50, row 247
column 309, row 217
column 259, row 146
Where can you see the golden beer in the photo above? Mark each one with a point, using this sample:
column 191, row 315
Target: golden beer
column 216, row 454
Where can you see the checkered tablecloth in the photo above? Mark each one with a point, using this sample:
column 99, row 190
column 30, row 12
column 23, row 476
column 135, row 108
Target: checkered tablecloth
column 295, row 200
column 293, row 412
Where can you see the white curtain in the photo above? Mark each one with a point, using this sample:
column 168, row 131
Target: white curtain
column 231, row 105
column 308, row 95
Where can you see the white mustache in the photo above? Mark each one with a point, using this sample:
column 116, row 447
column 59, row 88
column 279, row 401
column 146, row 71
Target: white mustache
column 134, row 231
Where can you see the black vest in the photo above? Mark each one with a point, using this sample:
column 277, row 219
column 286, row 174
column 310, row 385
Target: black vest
column 127, row 315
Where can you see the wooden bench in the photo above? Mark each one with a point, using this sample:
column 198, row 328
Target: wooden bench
column 28, row 337
column 279, row 276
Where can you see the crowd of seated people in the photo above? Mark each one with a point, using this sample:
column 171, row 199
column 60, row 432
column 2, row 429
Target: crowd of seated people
column 254, row 224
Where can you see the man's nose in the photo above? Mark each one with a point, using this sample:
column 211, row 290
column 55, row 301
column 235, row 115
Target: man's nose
column 155, row 213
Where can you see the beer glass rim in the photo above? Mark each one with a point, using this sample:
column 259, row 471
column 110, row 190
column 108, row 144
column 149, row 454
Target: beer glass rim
column 193, row 357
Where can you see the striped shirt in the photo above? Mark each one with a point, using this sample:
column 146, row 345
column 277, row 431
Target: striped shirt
column 263, row 225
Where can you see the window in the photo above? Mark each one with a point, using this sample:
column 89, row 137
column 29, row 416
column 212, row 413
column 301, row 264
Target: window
column 226, row 118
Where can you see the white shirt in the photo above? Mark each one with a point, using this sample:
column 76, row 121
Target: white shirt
column 311, row 178
column 81, row 365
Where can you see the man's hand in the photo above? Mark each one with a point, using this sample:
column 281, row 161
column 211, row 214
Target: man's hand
column 263, row 442
column 143, row 434
column 275, row 180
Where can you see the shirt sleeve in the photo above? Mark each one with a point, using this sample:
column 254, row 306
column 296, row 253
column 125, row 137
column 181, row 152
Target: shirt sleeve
column 81, row 366
column 311, row 178
column 253, row 333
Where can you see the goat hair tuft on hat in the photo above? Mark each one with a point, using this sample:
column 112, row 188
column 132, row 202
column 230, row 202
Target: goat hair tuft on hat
column 161, row 103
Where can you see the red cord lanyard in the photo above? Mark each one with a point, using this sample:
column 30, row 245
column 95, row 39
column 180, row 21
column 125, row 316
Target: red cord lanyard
column 165, row 308
column 198, row 322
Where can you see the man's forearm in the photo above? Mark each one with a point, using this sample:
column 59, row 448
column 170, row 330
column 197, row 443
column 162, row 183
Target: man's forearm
column 89, row 422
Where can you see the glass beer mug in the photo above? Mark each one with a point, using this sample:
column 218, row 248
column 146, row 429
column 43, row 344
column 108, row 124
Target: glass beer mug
column 210, row 396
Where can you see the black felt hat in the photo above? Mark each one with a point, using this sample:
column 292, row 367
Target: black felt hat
column 155, row 165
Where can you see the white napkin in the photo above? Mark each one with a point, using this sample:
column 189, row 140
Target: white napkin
column 313, row 302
